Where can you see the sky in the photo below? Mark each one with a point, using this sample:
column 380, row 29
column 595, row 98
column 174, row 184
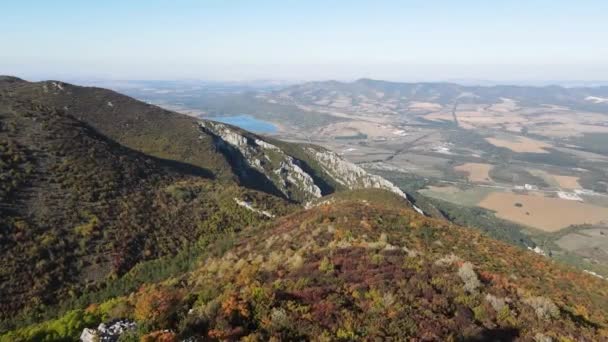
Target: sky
column 430, row 40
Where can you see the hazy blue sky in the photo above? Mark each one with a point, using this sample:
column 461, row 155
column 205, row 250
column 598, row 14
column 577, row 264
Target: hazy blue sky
column 308, row 39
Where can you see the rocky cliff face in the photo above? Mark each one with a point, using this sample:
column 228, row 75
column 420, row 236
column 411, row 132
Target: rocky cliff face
column 348, row 174
column 253, row 157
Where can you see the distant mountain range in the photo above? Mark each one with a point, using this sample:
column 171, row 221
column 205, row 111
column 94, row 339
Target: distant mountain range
column 587, row 98
column 114, row 209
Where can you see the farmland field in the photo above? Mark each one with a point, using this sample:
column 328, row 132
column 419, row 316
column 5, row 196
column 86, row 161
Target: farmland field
column 585, row 239
column 476, row 172
column 570, row 182
column 520, row 144
column 467, row 197
column 567, row 182
column 547, row 214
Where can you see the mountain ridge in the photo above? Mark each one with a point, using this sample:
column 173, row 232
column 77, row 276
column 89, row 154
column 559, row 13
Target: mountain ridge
column 83, row 202
column 169, row 135
column 449, row 93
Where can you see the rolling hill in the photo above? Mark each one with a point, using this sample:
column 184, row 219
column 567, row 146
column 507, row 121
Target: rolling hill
column 321, row 93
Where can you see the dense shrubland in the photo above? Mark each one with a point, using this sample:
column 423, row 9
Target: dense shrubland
column 352, row 270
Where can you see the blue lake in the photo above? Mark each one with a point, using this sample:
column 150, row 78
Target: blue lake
column 247, row 122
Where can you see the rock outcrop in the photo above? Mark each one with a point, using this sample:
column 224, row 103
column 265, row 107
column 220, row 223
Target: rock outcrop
column 107, row 332
column 251, row 154
column 348, row 174
column 248, row 205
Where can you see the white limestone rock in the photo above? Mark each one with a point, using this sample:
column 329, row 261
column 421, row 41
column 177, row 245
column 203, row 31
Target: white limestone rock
column 260, row 155
column 250, row 207
column 349, row 174
column 107, row 332
column 285, row 172
column 89, row 335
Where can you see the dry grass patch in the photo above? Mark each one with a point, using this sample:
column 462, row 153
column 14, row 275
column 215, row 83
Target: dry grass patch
column 476, row 172
column 548, row 214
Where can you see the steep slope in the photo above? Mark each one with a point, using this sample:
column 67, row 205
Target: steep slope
column 364, row 266
column 222, row 151
column 77, row 208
